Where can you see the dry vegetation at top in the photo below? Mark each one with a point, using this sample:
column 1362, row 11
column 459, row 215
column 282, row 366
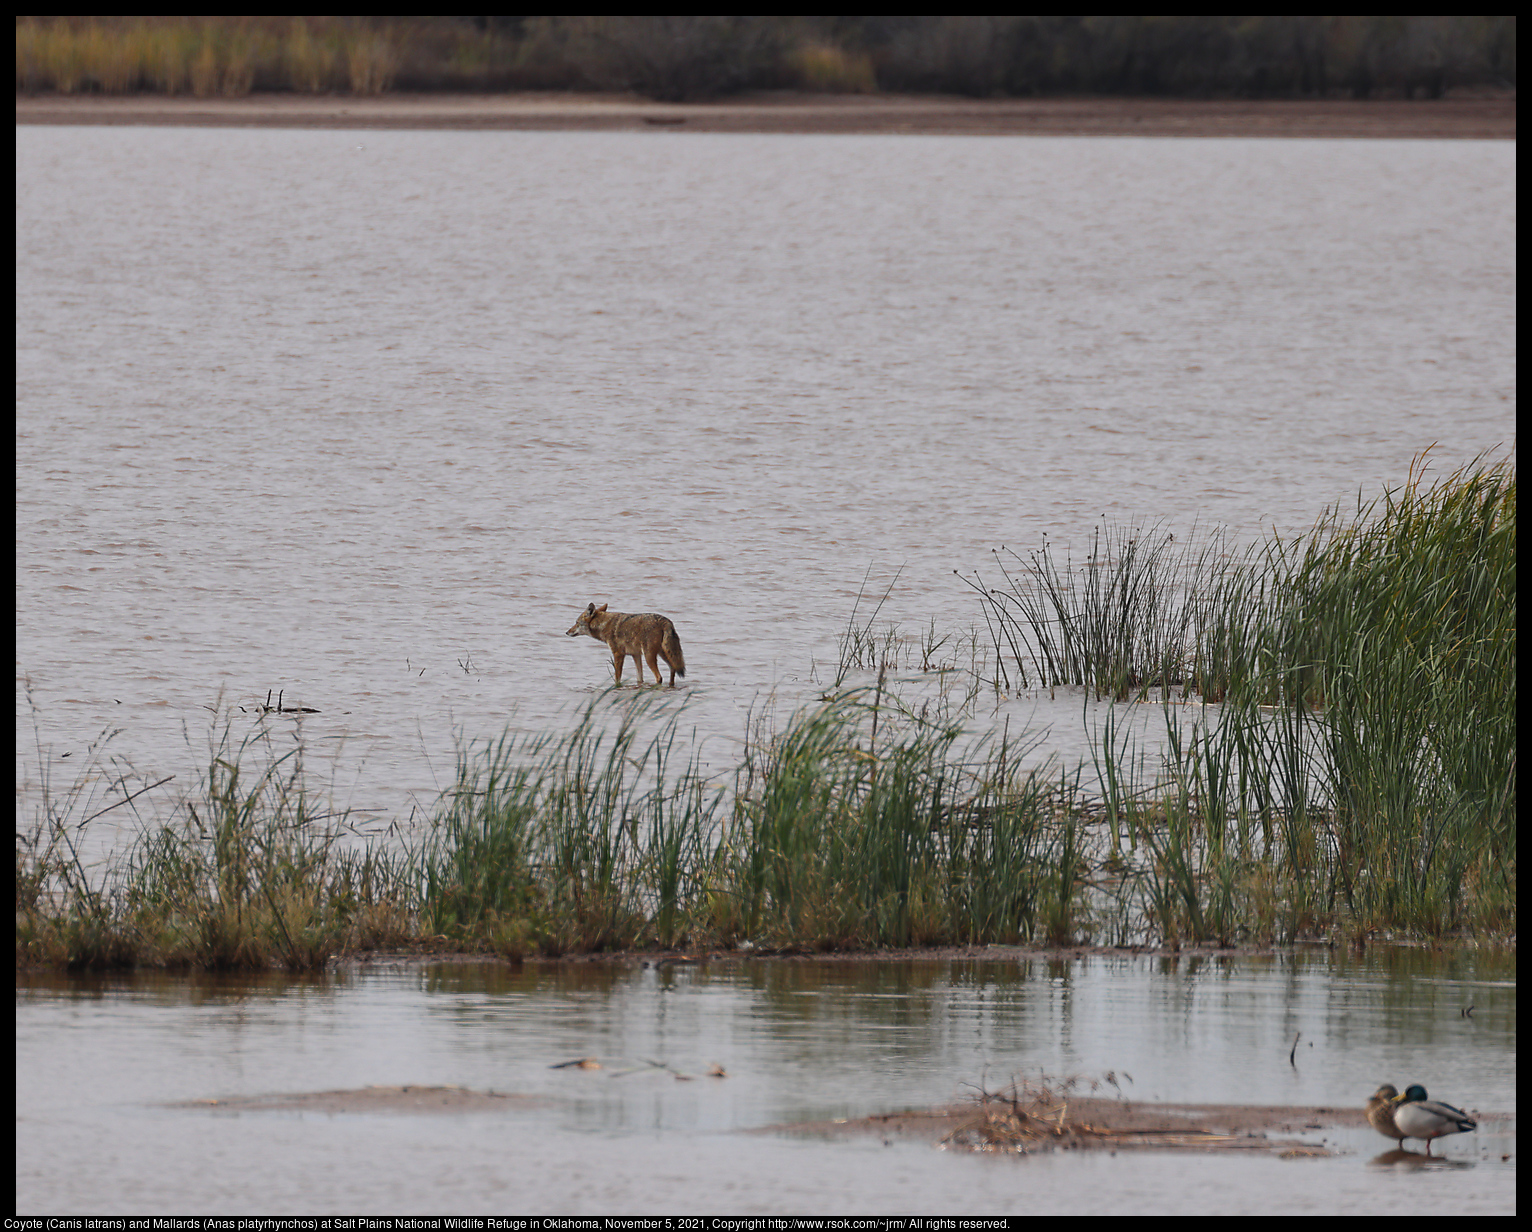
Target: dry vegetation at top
column 702, row 57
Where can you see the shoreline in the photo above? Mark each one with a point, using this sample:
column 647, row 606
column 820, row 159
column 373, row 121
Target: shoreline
column 1488, row 117
column 448, row 954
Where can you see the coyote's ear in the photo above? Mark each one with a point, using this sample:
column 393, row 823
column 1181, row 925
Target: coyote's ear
column 594, row 609
column 590, row 609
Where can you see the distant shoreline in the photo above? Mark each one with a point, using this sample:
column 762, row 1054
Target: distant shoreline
column 1489, row 117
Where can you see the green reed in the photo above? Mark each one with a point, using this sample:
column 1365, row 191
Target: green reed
column 475, row 867
column 242, row 875
column 592, row 840
column 859, row 826
column 1357, row 778
column 247, row 871
column 1121, row 622
column 1359, row 771
column 1398, row 628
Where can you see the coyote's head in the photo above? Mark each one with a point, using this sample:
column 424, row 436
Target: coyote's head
column 582, row 623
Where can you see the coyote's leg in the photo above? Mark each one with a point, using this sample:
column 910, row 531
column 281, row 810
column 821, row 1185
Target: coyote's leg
column 617, row 658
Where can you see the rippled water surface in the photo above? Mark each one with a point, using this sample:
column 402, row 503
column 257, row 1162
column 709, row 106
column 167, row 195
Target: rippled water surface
column 98, row 1061
column 367, row 418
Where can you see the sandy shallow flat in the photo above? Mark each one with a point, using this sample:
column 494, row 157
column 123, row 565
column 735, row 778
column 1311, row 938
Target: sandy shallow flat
column 1054, row 1122
column 410, row 1099
column 1094, row 1123
column 786, row 112
column 1089, row 1121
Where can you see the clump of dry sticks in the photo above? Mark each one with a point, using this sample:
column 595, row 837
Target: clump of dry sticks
column 1030, row 1115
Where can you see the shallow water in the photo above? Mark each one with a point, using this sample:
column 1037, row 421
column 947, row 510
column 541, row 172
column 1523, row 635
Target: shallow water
column 99, row 1060
column 365, row 419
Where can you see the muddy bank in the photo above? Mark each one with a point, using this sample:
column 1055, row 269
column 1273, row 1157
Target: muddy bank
column 944, row 953
column 427, row 954
column 1096, row 1123
column 787, row 112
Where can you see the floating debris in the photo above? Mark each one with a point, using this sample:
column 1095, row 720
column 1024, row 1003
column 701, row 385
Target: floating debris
column 279, row 708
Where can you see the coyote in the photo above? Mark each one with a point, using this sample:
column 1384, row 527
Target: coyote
column 644, row 633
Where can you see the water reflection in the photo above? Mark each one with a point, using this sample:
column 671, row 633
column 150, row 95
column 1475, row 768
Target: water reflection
column 1436, row 1014
column 98, row 1060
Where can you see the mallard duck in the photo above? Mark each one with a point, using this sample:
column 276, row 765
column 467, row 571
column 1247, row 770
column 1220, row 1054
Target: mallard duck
column 1415, row 1116
column 1380, row 1112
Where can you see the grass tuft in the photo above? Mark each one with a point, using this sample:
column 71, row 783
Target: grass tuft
column 1356, row 778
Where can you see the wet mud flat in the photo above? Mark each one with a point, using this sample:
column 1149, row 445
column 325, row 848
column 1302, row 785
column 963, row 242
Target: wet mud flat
column 1093, row 1123
column 1038, row 1120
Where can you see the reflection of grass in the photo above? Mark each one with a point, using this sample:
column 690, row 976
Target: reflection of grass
column 1359, row 777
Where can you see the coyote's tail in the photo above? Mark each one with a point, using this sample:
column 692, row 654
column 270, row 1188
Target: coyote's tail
column 672, row 645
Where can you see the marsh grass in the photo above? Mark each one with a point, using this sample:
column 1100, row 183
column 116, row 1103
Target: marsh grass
column 591, row 841
column 250, row 870
column 851, row 827
column 1119, row 624
column 1392, row 656
column 1358, row 770
column 859, row 647
column 1356, row 778
column 245, row 871
column 64, row 905
column 859, row 827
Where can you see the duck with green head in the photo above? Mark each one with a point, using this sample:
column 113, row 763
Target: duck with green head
column 1415, row 1116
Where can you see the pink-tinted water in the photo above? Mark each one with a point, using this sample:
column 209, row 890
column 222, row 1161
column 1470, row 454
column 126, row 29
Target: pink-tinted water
column 364, row 419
